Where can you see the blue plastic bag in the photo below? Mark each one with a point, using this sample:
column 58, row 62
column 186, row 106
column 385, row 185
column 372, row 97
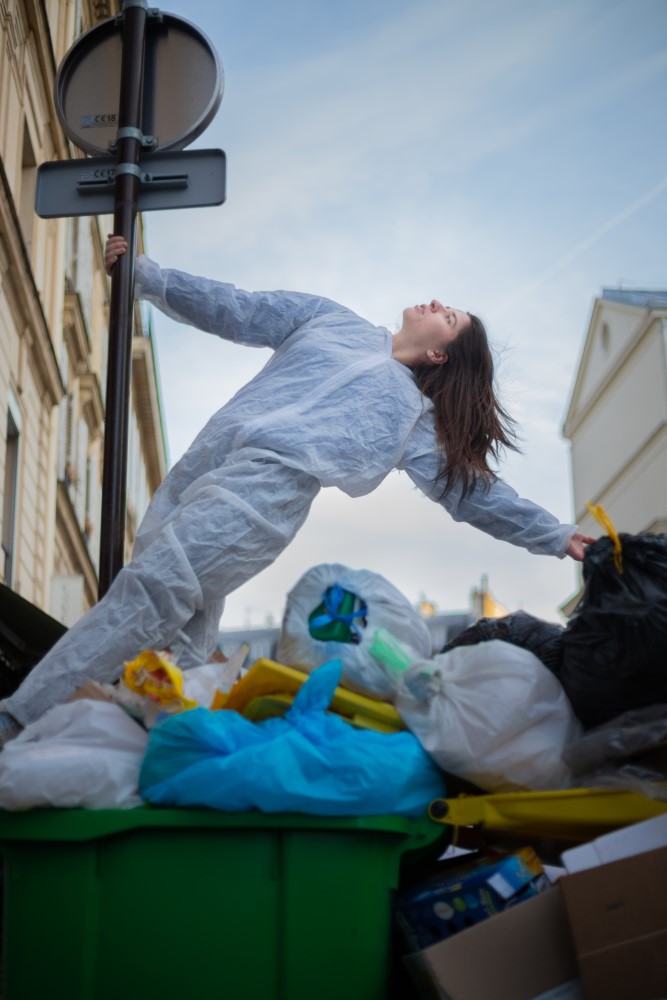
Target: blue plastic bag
column 308, row 762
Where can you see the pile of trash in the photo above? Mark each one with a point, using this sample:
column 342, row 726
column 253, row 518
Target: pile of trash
column 513, row 703
column 550, row 731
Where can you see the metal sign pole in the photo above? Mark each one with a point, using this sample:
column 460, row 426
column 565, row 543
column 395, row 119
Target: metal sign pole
column 127, row 175
column 108, row 64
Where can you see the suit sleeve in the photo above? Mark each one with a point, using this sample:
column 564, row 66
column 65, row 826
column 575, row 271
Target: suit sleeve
column 256, row 319
column 494, row 508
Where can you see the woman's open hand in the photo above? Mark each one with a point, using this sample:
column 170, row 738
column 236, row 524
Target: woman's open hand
column 577, row 546
column 115, row 247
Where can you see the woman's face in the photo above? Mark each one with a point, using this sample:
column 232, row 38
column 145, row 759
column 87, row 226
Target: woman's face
column 433, row 324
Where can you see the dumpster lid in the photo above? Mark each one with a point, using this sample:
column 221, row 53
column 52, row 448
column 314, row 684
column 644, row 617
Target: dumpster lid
column 26, row 634
column 25, row 626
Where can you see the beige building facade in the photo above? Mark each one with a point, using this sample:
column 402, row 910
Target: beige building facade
column 54, row 309
column 617, row 418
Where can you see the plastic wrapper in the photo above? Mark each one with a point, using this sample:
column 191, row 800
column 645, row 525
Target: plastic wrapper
column 153, row 686
column 630, row 777
column 521, row 629
column 310, row 761
column 619, row 739
column 614, row 644
column 491, row 714
column 386, row 608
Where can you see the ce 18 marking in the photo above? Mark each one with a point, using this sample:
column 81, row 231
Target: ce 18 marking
column 99, row 121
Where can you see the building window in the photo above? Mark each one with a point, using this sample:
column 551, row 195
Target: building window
column 70, row 450
column 28, row 183
column 72, row 254
column 9, row 497
column 605, row 337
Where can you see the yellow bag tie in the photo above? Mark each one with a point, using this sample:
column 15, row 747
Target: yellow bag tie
column 602, row 517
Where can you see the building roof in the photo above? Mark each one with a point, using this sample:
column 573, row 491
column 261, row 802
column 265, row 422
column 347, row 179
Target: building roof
column 646, row 298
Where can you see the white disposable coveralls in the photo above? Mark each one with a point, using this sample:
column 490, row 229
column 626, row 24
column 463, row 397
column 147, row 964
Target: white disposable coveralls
column 330, row 408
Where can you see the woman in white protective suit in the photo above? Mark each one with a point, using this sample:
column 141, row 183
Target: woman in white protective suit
column 341, row 402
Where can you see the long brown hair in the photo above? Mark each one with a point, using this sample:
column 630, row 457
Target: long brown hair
column 470, row 422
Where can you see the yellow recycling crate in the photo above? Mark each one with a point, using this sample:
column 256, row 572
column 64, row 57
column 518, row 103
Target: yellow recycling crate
column 269, row 688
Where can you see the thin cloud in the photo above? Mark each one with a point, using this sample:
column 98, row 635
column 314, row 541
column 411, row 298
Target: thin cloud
column 580, row 248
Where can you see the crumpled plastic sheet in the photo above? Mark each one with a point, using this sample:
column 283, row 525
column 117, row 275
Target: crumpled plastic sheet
column 603, row 757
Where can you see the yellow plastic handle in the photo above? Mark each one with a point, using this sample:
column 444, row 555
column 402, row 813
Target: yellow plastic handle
column 575, row 814
column 602, row 517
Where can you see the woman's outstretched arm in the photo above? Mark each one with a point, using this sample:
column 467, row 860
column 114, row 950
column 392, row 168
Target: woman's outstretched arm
column 256, row 319
column 496, row 509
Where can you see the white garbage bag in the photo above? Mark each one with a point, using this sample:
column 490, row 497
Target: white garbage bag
column 386, row 608
column 84, row 754
column 493, row 714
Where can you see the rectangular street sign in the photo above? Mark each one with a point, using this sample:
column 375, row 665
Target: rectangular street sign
column 182, row 179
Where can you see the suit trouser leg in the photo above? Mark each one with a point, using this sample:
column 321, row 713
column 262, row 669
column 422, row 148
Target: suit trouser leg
column 231, row 524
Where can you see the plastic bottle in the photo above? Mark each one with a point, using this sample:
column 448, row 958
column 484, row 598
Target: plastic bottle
column 388, row 651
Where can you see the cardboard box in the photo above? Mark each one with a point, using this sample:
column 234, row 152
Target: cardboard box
column 467, row 894
column 525, row 953
column 618, row 916
column 606, row 924
column 646, row 836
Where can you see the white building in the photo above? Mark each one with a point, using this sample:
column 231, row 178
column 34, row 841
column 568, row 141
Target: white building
column 617, row 418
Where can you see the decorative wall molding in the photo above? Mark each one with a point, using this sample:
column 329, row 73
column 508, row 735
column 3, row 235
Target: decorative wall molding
column 19, row 286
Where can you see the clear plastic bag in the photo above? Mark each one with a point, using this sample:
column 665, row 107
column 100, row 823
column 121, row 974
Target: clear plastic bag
column 629, row 751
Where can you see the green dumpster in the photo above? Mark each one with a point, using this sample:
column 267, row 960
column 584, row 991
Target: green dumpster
column 176, row 903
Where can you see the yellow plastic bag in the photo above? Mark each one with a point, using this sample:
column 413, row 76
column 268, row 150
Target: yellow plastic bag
column 155, row 677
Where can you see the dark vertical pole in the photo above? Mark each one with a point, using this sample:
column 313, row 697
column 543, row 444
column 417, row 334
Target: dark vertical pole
column 122, row 296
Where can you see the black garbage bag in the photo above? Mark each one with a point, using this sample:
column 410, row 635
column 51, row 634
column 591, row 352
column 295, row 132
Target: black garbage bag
column 26, row 635
column 615, row 644
column 521, row 629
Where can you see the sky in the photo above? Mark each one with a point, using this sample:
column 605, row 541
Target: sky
column 508, row 157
